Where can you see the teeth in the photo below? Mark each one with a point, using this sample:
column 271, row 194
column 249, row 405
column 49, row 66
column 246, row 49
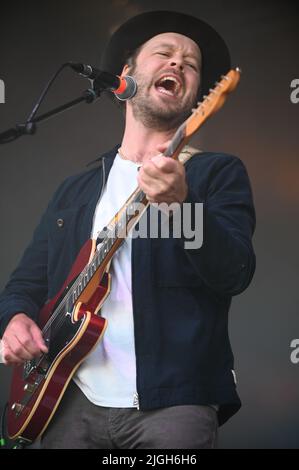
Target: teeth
column 172, row 79
column 166, row 92
column 169, row 78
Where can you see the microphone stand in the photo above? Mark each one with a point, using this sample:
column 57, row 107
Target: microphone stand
column 29, row 128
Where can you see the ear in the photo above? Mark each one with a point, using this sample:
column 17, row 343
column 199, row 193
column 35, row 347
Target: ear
column 125, row 70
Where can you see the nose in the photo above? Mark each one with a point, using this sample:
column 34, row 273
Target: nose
column 178, row 63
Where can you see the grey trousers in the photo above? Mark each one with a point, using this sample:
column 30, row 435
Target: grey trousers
column 79, row 424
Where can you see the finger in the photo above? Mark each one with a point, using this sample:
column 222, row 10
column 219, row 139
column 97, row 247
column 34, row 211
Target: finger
column 18, row 349
column 165, row 164
column 38, row 338
column 23, row 333
column 30, row 337
column 154, row 196
column 9, row 358
column 162, row 147
column 31, row 349
column 162, row 183
column 158, row 199
column 150, row 169
column 151, row 174
column 151, row 186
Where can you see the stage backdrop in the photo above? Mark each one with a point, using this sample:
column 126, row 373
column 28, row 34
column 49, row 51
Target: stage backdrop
column 259, row 123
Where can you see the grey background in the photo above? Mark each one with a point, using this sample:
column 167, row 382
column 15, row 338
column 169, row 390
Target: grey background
column 258, row 123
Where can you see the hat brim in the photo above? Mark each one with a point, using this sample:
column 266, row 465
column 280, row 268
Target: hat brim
column 139, row 29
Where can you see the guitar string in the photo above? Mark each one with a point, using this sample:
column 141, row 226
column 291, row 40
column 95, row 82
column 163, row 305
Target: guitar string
column 61, row 307
column 175, row 142
column 138, row 198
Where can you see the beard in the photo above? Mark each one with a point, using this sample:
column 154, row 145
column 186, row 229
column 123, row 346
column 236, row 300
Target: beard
column 156, row 114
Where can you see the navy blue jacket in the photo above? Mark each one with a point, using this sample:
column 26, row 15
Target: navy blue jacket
column 181, row 297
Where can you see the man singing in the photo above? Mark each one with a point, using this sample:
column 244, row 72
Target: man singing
column 163, row 374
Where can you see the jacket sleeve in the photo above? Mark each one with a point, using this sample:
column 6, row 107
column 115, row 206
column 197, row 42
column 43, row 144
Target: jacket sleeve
column 32, row 283
column 226, row 260
column 27, row 288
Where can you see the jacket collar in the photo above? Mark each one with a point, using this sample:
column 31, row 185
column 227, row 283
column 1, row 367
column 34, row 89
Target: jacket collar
column 110, row 155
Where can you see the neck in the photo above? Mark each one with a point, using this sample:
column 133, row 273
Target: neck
column 140, row 143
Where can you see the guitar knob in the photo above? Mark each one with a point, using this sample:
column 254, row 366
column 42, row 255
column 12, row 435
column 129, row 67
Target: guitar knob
column 17, row 408
column 29, row 388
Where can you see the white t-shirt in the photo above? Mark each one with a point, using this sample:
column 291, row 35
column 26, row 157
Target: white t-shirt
column 108, row 375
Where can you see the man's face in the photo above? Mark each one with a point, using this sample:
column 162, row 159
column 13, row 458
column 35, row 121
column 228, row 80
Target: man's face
column 167, row 71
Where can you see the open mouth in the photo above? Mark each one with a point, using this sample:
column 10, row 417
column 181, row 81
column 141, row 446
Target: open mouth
column 168, row 85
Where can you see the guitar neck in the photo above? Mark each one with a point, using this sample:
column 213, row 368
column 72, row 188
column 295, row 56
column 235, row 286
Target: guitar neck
column 131, row 212
column 112, row 236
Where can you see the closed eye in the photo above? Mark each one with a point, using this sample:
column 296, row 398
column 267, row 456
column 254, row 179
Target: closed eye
column 194, row 67
column 166, row 54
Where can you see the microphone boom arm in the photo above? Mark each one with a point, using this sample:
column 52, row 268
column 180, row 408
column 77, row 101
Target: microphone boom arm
column 29, row 128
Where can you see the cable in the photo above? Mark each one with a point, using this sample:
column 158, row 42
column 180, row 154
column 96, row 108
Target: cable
column 45, row 91
column 2, row 432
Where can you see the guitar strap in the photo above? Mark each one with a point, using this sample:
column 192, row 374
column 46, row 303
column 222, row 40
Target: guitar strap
column 187, row 153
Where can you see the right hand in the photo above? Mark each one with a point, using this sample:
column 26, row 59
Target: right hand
column 22, row 340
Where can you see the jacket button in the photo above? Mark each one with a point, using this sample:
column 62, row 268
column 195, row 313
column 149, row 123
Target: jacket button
column 60, row 222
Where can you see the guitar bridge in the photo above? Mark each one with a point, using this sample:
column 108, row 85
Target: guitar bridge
column 36, row 366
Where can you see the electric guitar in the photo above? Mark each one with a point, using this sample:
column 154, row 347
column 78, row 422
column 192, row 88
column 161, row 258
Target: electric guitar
column 71, row 322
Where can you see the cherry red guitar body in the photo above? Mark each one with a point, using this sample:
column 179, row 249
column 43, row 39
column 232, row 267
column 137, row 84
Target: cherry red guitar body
column 72, row 328
column 38, row 385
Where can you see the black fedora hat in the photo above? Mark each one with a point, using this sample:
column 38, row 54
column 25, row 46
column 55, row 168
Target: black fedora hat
column 139, row 29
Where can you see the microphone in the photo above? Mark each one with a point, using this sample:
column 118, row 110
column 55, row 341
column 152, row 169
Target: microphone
column 124, row 88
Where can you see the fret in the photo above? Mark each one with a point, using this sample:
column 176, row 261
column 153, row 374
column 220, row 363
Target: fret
column 102, row 253
column 68, row 307
column 97, row 260
column 139, row 197
column 85, row 279
column 91, row 269
column 120, row 226
column 88, row 273
column 109, row 237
